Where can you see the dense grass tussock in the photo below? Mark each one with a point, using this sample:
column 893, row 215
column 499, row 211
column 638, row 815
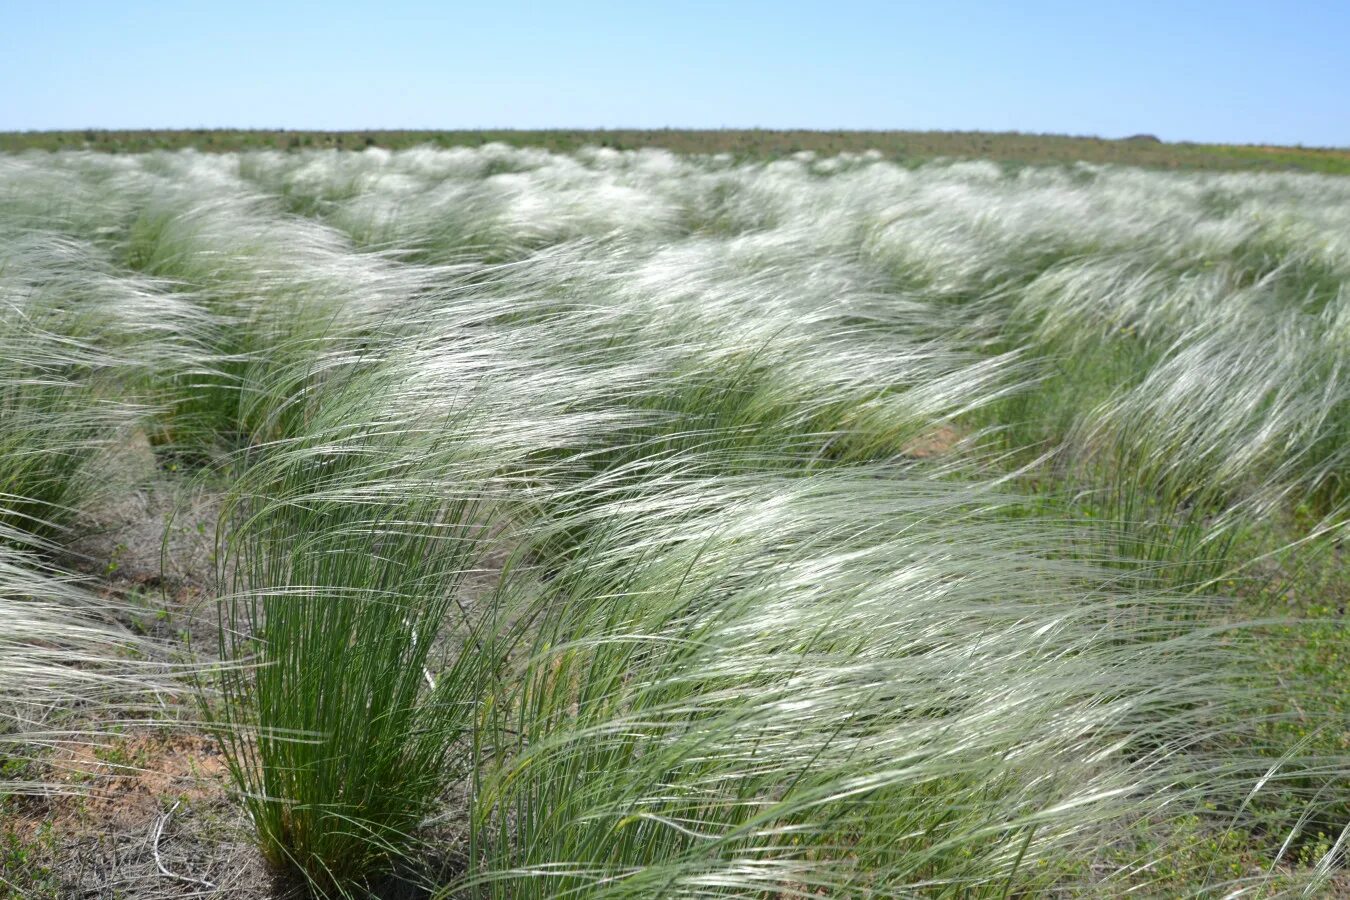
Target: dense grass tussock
column 632, row 525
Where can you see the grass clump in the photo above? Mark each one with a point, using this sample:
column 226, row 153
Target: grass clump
column 749, row 687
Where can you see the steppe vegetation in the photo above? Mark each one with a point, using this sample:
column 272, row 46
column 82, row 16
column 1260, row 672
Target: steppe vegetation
column 494, row 522
column 758, row 144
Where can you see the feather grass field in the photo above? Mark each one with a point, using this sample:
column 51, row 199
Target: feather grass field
column 626, row 524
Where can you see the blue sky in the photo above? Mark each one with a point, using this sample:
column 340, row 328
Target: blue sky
column 1251, row 72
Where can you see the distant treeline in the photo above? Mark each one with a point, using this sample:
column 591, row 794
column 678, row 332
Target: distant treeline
column 916, row 146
